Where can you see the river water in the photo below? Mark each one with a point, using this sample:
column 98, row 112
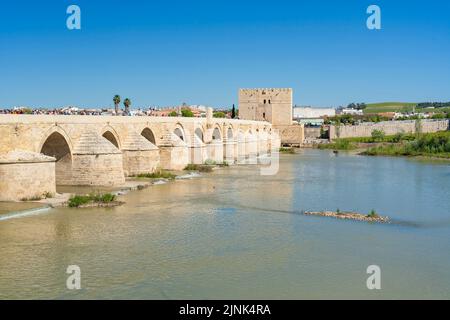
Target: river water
column 235, row 234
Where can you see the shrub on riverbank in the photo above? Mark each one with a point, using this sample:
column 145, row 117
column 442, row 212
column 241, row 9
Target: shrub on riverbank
column 373, row 214
column 198, row 167
column 287, row 150
column 390, row 139
column 435, row 144
column 45, row 195
column 79, row 200
column 158, row 174
column 338, row 144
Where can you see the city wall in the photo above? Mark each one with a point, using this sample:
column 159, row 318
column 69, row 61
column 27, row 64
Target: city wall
column 388, row 127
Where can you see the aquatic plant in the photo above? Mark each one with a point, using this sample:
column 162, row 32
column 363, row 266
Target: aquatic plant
column 287, row 150
column 158, row 174
column 78, row 200
column 372, row 214
column 198, row 167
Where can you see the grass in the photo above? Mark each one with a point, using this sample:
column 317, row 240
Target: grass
column 389, row 107
column 78, row 200
column 338, row 144
column 45, row 195
column 287, row 150
column 351, row 143
column 391, row 138
column 435, row 144
column 158, row 174
column 198, row 167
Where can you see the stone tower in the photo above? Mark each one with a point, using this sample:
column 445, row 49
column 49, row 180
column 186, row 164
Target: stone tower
column 270, row 104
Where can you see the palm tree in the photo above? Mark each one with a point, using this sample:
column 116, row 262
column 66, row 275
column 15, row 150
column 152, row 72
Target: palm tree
column 116, row 100
column 127, row 104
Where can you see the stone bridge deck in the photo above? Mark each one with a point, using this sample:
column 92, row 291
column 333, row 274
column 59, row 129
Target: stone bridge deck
column 103, row 150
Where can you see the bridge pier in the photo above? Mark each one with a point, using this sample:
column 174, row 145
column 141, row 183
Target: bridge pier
column 230, row 151
column 198, row 152
column 215, row 150
column 263, row 144
column 96, row 162
column 251, row 148
column 174, row 153
column 26, row 175
column 139, row 155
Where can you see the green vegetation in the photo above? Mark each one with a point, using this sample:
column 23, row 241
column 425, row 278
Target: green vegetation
column 173, row 114
column 389, row 107
column 223, row 164
column 350, row 119
column 186, row 112
column 433, row 105
column 233, row 112
column 442, row 109
column 287, row 150
column 429, row 144
column 373, row 214
column 116, row 100
column 78, row 200
column 198, row 167
column 158, row 174
column 435, row 144
column 219, row 114
column 338, row 144
column 45, row 195
column 391, row 138
column 34, row 198
column 127, row 104
column 210, row 162
column 378, row 135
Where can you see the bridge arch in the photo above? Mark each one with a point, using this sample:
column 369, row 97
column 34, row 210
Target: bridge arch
column 111, row 135
column 199, row 133
column 179, row 132
column 57, row 145
column 217, row 135
column 148, row 134
column 230, row 134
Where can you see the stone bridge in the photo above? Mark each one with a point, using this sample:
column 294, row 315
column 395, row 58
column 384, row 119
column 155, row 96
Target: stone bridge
column 38, row 152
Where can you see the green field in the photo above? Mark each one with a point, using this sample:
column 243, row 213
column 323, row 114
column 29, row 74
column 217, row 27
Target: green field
column 389, row 107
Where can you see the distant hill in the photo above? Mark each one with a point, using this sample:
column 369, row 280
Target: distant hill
column 389, row 107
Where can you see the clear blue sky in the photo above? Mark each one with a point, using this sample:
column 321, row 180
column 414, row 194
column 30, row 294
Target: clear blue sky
column 201, row 52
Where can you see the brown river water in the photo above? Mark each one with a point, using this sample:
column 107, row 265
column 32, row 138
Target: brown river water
column 234, row 234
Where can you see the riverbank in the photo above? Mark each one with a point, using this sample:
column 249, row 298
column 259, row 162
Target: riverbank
column 430, row 145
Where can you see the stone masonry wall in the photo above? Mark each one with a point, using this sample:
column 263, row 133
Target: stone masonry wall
column 389, row 128
column 98, row 169
column 292, row 134
column 26, row 180
column 136, row 162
